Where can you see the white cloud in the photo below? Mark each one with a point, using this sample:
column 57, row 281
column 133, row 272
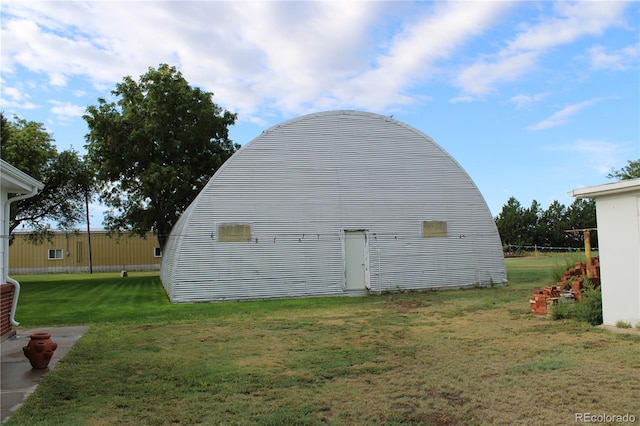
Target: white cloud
column 572, row 21
column 523, row 101
column 561, row 117
column 267, row 59
column 414, row 53
column 598, row 155
column 19, row 105
column 13, row 93
column 13, row 97
column 616, row 60
column 57, row 79
column 38, row 48
column 461, row 99
column 480, row 78
column 289, row 56
column 65, row 111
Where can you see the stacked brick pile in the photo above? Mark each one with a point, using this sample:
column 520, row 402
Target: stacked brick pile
column 541, row 298
column 570, row 286
column 6, row 301
column 573, row 279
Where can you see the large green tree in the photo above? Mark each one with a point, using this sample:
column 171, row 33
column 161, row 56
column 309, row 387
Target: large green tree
column 154, row 149
column 630, row 171
column 28, row 146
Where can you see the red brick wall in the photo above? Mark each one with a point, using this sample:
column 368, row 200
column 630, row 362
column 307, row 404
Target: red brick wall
column 6, row 300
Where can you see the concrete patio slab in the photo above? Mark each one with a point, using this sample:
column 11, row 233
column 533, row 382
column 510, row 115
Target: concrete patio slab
column 18, row 380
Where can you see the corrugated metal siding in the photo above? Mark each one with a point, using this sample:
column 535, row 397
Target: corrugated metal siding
column 109, row 252
column 303, row 182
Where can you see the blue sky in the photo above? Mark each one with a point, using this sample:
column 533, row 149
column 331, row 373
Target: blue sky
column 533, row 99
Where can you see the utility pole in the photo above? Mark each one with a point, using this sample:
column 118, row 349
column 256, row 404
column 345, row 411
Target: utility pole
column 587, row 245
column 86, row 201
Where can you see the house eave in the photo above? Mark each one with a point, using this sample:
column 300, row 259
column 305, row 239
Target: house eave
column 630, row 185
column 15, row 181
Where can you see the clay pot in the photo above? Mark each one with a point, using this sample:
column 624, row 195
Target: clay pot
column 40, row 350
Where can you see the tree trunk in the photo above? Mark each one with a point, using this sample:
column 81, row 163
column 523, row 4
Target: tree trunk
column 162, row 235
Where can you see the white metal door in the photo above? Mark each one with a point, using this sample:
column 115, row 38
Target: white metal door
column 356, row 260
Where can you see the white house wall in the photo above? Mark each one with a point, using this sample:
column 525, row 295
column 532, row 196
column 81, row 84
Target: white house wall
column 619, row 248
column 14, row 184
column 4, row 243
column 301, row 184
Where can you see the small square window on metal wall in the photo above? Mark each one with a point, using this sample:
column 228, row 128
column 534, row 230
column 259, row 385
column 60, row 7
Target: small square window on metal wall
column 55, row 254
column 434, row 229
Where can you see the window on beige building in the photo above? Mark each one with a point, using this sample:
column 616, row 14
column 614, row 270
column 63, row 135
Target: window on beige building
column 55, row 254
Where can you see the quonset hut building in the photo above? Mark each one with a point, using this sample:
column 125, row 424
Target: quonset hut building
column 333, row 203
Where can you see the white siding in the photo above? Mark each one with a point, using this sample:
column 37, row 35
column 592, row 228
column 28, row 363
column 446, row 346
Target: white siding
column 302, row 183
column 619, row 248
column 4, row 238
column 618, row 213
column 16, row 183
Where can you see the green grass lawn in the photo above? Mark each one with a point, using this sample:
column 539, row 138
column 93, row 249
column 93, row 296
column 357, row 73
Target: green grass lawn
column 464, row 357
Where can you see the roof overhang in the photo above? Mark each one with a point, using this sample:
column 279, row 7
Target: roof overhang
column 630, row 185
column 15, row 181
